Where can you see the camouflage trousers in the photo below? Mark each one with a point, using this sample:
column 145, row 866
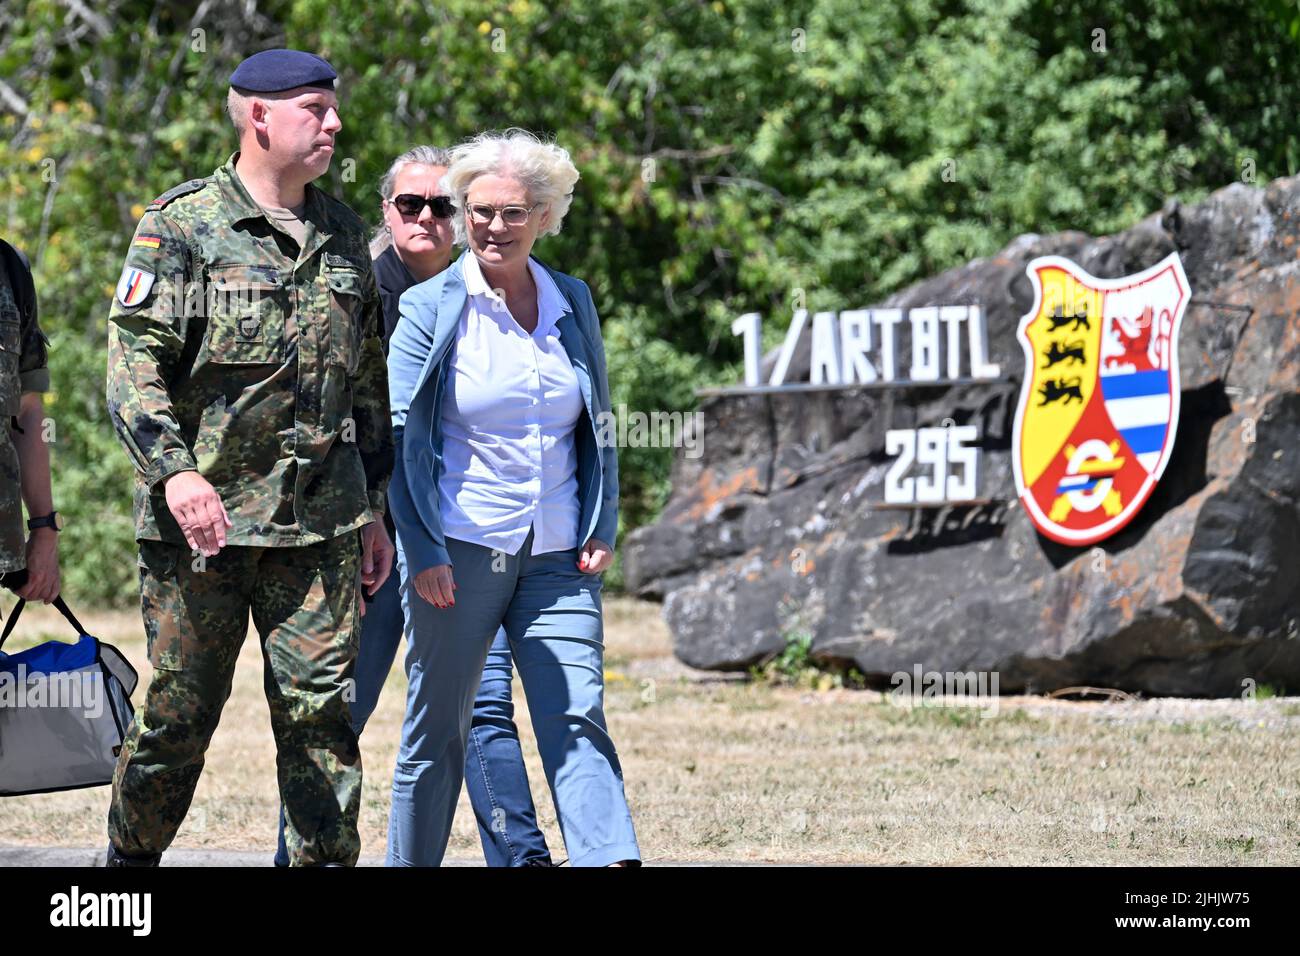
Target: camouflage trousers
column 304, row 603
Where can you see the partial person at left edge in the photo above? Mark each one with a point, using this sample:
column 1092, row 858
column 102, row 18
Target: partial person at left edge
column 29, row 564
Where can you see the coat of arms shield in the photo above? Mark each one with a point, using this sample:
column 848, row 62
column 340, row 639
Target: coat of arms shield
column 1098, row 409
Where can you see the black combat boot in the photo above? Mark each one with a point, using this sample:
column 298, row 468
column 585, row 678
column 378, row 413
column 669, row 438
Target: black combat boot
column 117, row 859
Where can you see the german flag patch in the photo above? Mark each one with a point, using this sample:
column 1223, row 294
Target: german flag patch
column 148, row 241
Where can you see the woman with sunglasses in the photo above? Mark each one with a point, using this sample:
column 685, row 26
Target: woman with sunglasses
column 414, row 243
column 506, row 504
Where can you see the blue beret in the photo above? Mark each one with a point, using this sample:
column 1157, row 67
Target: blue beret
column 274, row 71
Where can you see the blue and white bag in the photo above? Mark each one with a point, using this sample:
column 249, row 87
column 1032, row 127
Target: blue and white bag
column 64, row 711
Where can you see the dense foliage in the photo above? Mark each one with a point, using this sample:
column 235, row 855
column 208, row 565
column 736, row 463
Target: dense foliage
column 733, row 155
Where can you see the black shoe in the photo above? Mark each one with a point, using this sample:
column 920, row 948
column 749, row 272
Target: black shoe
column 114, row 858
column 539, row 861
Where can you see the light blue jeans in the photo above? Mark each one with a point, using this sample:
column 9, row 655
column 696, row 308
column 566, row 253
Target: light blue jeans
column 552, row 615
column 494, row 770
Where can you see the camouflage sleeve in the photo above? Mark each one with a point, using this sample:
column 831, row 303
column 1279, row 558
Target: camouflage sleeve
column 146, row 335
column 370, row 401
column 33, row 370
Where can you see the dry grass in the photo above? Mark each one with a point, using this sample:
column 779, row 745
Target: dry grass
column 724, row 769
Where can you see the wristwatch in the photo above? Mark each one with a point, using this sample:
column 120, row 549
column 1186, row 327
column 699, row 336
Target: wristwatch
column 52, row 520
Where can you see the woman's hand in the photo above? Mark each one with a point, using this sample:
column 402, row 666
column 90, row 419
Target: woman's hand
column 435, row 585
column 596, row 557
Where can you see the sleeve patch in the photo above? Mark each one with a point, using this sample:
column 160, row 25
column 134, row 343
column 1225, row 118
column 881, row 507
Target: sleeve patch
column 133, row 287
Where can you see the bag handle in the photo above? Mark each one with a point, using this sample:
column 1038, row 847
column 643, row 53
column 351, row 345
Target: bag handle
column 58, row 602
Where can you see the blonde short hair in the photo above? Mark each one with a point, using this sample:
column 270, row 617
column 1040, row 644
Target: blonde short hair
column 544, row 169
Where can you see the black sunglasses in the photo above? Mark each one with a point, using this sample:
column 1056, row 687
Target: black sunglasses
column 409, row 204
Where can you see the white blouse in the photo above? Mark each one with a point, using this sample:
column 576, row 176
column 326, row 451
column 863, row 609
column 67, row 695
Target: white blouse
column 508, row 416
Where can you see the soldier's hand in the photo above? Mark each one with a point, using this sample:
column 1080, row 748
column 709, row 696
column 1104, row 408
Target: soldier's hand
column 435, row 585
column 197, row 508
column 376, row 556
column 42, row 566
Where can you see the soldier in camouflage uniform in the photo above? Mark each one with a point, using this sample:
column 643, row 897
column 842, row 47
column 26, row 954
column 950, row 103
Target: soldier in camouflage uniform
column 28, row 565
column 247, row 382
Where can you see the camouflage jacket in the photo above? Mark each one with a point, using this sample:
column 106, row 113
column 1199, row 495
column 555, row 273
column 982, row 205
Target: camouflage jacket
column 22, row 369
column 234, row 353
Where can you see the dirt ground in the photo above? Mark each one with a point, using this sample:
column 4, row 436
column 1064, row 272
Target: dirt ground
column 718, row 767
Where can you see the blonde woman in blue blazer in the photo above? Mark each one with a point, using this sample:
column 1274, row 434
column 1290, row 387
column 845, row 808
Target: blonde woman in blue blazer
column 506, row 504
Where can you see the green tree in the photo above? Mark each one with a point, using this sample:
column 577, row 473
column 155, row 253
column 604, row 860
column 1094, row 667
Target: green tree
column 732, row 154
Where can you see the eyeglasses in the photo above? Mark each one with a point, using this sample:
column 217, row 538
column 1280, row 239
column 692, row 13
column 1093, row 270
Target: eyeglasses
column 511, row 215
column 408, row 204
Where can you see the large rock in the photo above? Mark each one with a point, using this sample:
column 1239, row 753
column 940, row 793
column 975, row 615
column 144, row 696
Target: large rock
column 775, row 529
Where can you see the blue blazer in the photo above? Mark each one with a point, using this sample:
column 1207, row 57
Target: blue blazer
column 419, row 357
